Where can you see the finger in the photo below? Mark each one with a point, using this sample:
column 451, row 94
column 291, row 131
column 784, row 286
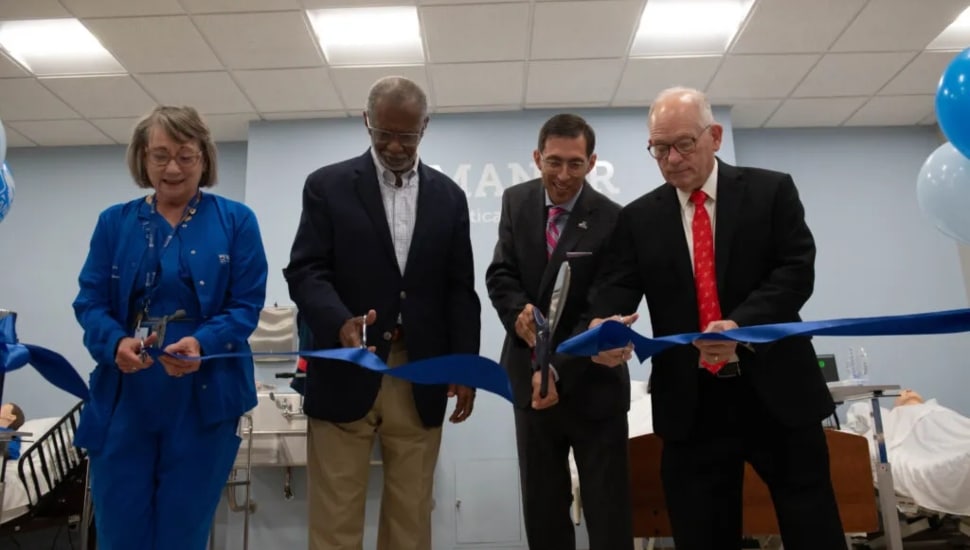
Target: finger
column 371, row 316
column 452, row 391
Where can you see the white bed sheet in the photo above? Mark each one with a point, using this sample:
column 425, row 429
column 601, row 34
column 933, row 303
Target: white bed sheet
column 928, row 446
column 16, row 497
column 640, row 420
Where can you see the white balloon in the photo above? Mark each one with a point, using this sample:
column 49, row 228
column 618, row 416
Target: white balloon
column 6, row 190
column 943, row 190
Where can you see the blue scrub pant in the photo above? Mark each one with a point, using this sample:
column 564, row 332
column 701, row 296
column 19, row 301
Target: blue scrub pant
column 157, row 487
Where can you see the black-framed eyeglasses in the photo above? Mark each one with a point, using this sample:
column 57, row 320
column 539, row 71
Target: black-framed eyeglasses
column 407, row 139
column 684, row 146
column 556, row 164
column 185, row 157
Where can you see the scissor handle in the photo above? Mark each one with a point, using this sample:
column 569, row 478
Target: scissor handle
column 363, row 332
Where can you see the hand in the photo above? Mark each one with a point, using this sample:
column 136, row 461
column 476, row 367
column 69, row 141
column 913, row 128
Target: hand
column 465, row 404
column 351, row 331
column 551, row 398
column 714, row 352
column 129, row 357
column 525, row 325
column 188, row 347
column 616, row 356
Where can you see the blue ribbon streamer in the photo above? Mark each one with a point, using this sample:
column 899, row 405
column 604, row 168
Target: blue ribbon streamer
column 463, row 369
column 51, row 365
column 613, row 334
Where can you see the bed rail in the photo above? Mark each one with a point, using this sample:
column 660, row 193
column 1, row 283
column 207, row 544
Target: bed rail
column 52, row 457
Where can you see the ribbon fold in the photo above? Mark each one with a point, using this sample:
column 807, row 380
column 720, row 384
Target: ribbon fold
column 613, row 334
column 51, row 365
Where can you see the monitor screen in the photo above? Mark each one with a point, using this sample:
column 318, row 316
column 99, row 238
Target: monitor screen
column 829, row 369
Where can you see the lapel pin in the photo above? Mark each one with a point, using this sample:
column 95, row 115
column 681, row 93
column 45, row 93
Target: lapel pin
column 582, row 225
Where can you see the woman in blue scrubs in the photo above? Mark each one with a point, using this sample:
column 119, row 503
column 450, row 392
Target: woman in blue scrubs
column 183, row 271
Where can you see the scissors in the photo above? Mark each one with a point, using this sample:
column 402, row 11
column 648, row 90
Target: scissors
column 363, row 332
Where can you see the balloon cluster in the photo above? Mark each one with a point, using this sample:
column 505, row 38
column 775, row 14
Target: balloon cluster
column 6, row 178
column 943, row 187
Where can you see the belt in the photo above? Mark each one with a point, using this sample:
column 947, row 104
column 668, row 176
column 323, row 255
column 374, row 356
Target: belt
column 729, row 370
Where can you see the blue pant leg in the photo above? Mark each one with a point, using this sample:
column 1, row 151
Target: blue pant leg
column 123, row 485
column 194, row 465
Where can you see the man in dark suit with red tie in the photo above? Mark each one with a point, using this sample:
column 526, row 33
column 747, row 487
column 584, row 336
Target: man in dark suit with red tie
column 717, row 247
column 542, row 222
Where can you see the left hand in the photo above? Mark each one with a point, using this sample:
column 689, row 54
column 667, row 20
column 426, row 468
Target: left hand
column 187, row 346
column 717, row 351
column 465, row 404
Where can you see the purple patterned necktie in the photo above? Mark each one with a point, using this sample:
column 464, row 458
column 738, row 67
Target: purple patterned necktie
column 552, row 230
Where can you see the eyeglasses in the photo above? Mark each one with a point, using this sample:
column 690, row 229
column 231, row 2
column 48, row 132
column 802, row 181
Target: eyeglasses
column 407, row 139
column 185, row 158
column 574, row 167
column 684, row 146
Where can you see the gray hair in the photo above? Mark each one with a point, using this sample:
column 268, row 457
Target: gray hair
column 184, row 125
column 399, row 91
column 687, row 95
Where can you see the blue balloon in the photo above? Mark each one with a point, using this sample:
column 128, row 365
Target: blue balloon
column 6, row 190
column 943, row 189
column 953, row 102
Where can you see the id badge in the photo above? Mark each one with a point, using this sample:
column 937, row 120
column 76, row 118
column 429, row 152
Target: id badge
column 141, row 332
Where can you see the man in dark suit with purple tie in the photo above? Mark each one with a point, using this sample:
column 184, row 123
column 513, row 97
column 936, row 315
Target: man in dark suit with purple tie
column 715, row 247
column 543, row 222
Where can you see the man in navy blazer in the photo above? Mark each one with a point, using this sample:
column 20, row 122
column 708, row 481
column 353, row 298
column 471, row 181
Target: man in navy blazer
column 383, row 245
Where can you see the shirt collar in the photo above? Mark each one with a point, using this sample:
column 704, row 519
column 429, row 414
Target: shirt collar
column 568, row 205
column 387, row 177
column 709, row 187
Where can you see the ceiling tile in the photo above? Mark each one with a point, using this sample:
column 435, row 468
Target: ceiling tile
column 234, row 127
column 921, row 76
column 905, row 110
column 116, row 8
column 32, row 9
column 26, row 99
column 274, row 40
column 55, row 133
column 814, row 112
column 118, row 129
column 795, row 26
column 752, row 113
column 102, row 96
column 851, row 74
column 354, row 83
column 16, row 139
column 500, row 32
column 898, row 25
column 606, row 28
column 128, row 39
column 208, row 92
column 643, row 79
column 471, row 84
column 321, row 4
column 236, row 6
column 759, row 76
column 931, row 119
column 439, row 2
column 9, row 68
column 304, row 115
column 585, row 81
column 289, row 90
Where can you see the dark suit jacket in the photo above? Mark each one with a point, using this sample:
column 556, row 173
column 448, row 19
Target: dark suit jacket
column 342, row 264
column 764, row 256
column 520, row 274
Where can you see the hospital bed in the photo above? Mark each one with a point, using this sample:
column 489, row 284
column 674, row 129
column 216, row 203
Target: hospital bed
column 46, row 486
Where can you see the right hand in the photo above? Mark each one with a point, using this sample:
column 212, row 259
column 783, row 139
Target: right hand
column 552, row 396
column 128, row 357
column 525, row 325
column 616, row 356
column 350, row 332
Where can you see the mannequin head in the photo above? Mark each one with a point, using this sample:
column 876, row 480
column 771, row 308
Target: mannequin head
column 11, row 416
column 909, row 397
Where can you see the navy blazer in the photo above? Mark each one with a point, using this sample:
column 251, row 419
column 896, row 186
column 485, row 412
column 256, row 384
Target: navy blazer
column 342, row 264
column 228, row 267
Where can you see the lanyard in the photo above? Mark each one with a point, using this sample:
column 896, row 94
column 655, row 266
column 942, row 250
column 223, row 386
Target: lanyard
column 151, row 276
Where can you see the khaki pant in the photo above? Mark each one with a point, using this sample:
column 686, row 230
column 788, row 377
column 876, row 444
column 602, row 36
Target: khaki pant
column 338, row 465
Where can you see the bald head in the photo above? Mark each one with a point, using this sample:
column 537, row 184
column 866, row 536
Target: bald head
column 397, row 91
column 684, row 137
column 683, row 101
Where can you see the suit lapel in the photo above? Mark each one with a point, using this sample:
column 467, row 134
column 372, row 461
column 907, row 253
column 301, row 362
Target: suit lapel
column 730, row 195
column 370, row 196
column 671, row 215
column 423, row 224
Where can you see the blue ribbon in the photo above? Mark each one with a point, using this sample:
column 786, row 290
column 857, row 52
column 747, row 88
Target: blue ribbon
column 613, row 334
column 51, row 365
column 463, row 369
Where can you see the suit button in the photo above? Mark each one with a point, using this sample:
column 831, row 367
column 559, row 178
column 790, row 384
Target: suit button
column 404, row 295
column 201, row 283
column 388, row 336
column 229, row 347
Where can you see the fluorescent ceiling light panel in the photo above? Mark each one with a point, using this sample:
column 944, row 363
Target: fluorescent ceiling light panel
column 688, row 27
column 369, row 36
column 57, row 47
column 954, row 37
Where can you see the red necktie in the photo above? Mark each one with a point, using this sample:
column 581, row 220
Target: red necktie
column 552, row 230
column 705, row 278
